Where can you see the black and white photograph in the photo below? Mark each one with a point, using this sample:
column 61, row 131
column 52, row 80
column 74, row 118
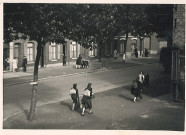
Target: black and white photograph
column 89, row 67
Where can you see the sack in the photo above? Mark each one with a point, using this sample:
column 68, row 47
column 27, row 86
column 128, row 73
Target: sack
column 132, row 91
column 72, row 91
column 77, row 106
column 93, row 96
column 134, row 84
column 86, row 93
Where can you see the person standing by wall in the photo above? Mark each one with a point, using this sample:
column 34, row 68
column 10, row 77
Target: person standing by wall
column 124, row 57
column 136, row 52
column 64, row 60
column 115, row 54
column 24, row 64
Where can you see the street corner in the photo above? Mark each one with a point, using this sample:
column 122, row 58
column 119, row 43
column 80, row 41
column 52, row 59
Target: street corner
column 15, row 74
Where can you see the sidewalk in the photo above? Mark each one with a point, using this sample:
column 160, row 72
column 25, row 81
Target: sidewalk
column 12, row 78
column 113, row 110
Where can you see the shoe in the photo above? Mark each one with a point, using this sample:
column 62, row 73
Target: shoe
column 134, row 100
column 90, row 112
column 82, row 114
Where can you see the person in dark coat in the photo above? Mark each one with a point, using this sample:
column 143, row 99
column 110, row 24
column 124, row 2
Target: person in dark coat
column 24, row 64
column 75, row 97
column 64, row 60
column 87, row 99
column 79, row 62
column 138, row 90
column 136, row 52
column 146, row 83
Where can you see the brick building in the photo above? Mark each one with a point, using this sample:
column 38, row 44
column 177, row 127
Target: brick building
column 179, row 42
column 52, row 53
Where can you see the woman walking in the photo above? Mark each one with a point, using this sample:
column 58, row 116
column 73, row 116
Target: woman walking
column 74, row 95
column 138, row 90
column 87, row 99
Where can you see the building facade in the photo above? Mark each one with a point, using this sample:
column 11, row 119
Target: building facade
column 52, row 54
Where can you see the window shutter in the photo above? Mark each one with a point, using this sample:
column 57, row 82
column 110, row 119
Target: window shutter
column 50, row 53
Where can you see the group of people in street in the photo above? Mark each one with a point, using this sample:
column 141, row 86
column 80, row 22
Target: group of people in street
column 116, row 53
column 81, row 63
column 15, row 66
column 86, row 101
column 140, row 85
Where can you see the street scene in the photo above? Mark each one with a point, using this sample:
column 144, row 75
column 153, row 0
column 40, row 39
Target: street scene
column 103, row 71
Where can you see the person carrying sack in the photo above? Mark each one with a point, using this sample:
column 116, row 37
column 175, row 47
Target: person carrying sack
column 137, row 90
column 75, row 97
column 87, row 99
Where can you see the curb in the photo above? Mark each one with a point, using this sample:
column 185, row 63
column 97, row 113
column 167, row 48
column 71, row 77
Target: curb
column 92, row 71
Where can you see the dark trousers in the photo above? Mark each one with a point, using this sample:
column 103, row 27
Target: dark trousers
column 24, row 68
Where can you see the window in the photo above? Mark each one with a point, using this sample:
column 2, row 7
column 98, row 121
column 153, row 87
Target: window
column 30, row 52
column 73, row 50
column 16, row 50
column 52, row 52
column 121, row 46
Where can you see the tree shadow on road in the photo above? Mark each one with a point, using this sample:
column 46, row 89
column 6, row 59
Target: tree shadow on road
column 125, row 97
column 65, row 104
column 68, row 105
column 26, row 111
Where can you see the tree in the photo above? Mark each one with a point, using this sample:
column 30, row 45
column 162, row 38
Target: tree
column 39, row 22
column 161, row 18
column 141, row 23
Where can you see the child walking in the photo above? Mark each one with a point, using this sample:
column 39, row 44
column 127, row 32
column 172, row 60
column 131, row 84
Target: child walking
column 87, row 99
column 74, row 95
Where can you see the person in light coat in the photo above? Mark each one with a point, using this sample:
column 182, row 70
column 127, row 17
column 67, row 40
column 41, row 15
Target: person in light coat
column 14, row 64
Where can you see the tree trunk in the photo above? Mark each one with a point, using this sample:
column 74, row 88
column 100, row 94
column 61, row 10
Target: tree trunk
column 141, row 45
column 100, row 51
column 35, row 79
column 125, row 43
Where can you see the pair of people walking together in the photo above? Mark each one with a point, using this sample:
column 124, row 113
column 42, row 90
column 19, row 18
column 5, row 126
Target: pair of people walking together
column 86, row 102
column 140, row 85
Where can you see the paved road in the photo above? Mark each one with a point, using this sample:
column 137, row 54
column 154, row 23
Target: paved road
column 113, row 107
column 113, row 110
column 10, row 78
column 17, row 97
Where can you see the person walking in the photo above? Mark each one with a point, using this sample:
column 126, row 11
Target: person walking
column 14, row 64
column 141, row 77
column 75, row 96
column 137, row 90
column 24, row 64
column 87, row 99
column 136, row 52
